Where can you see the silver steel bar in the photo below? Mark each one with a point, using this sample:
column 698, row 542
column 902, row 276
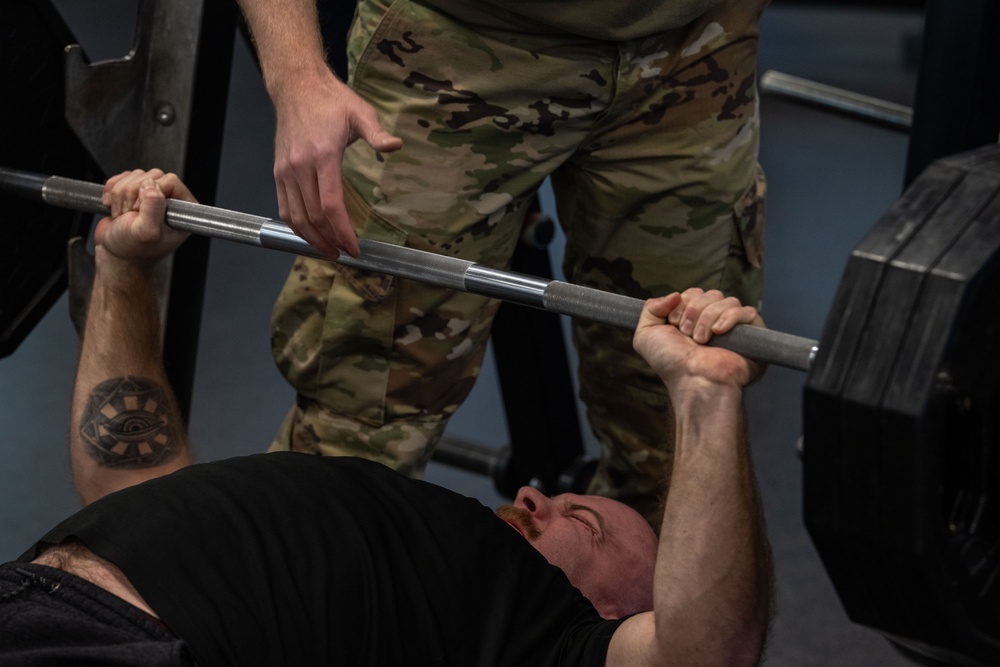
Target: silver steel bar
column 375, row 256
column 507, row 285
column 564, row 298
column 865, row 107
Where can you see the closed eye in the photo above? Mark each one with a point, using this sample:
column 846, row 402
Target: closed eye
column 586, row 523
column 583, row 514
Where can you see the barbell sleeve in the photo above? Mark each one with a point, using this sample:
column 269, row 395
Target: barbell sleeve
column 560, row 297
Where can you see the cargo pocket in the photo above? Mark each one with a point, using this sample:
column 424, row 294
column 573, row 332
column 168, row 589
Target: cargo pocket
column 744, row 274
column 371, row 285
column 356, row 358
column 749, row 214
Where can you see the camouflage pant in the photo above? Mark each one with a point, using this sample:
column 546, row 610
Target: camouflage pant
column 651, row 146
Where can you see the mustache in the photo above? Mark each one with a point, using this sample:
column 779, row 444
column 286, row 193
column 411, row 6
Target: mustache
column 522, row 518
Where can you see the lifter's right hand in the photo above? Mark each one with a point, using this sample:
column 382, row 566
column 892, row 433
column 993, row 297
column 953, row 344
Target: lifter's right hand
column 136, row 232
column 315, row 125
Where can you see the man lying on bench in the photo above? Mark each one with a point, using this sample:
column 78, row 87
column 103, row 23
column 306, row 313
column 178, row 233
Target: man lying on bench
column 292, row 559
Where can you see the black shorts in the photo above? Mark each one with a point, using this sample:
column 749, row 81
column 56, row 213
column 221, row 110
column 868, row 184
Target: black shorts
column 48, row 616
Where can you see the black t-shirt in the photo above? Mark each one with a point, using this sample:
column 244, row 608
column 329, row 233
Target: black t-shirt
column 292, row 559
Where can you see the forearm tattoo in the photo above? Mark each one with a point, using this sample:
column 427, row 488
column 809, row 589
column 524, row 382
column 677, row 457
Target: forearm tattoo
column 129, row 422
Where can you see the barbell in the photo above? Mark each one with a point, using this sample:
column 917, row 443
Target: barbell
column 901, row 401
column 555, row 296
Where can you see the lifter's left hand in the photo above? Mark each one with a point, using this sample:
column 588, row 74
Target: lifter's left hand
column 673, row 329
column 136, row 230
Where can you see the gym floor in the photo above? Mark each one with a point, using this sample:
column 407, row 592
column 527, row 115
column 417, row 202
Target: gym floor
column 830, row 178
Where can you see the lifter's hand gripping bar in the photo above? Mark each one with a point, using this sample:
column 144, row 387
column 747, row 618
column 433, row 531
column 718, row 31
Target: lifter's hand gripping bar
column 556, row 296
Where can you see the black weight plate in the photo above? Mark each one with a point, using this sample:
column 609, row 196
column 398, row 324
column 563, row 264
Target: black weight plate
column 832, row 483
column 940, row 419
column 34, row 136
column 908, row 503
column 880, row 486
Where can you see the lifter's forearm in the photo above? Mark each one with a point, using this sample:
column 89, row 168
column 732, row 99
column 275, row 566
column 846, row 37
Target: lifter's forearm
column 713, row 579
column 125, row 425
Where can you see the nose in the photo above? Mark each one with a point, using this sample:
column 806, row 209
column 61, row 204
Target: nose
column 535, row 502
